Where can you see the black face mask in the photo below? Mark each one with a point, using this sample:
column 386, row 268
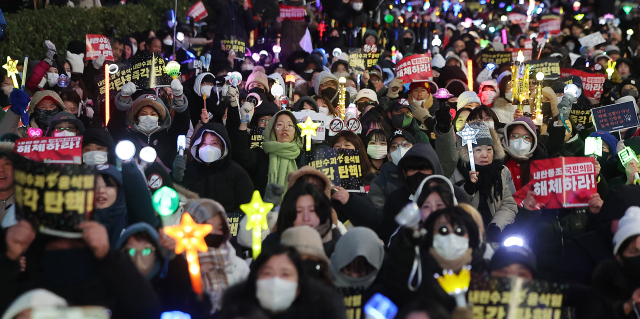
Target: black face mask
column 329, row 93
column 313, row 268
column 214, row 240
column 44, row 117
column 257, row 90
column 631, row 268
column 415, row 180
column 631, row 92
column 298, row 67
column 407, row 41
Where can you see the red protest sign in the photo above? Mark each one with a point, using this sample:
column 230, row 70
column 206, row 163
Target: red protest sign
column 59, row 150
column 591, row 82
column 414, row 67
column 551, row 24
column 292, row 13
column 197, row 11
column 517, row 18
column 561, row 182
column 98, row 45
column 514, row 53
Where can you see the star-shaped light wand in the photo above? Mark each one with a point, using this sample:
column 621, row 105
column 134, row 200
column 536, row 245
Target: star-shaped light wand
column 308, row 129
column 468, row 135
column 256, row 212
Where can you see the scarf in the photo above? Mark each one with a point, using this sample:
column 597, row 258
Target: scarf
column 455, row 265
column 282, row 156
column 213, row 265
column 489, row 183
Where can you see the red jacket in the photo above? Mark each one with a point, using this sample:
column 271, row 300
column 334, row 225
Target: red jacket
column 39, row 71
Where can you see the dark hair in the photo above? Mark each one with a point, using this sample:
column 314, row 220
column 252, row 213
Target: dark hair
column 332, row 109
column 476, row 114
column 70, row 96
column 357, row 142
column 293, row 119
column 423, row 305
column 377, row 135
column 443, row 191
column 359, row 264
column 456, row 216
column 149, row 42
column 415, row 163
column 288, row 212
column 626, row 244
column 373, row 117
column 142, row 235
column 502, row 86
column 109, row 180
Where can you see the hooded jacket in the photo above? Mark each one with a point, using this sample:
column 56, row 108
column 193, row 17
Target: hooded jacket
column 222, row 180
column 358, row 241
column 114, row 217
column 103, row 138
column 538, row 151
column 215, row 103
column 406, row 49
column 11, row 121
column 503, row 109
column 299, row 104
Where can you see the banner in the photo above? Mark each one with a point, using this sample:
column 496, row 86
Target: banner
column 197, row 11
column 561, row 182
column 238, row 46
column 591, row 40
column 514, row 53
column 517, row 18
column 316, row 117
column 55, row 198
column 98, row 45
column 341, row 166
column 360, row 61
column 256, row 137
column 550, row 23
column 495, row 57
column 550, row 68
column 140, row 73
column 60, row 150
column 415, row 67
column 292, row 13
column 512, row 297
column 615, row 117
column 591, row 82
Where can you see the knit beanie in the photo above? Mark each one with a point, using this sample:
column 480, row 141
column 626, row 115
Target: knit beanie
column 484, row 135
column 258, row 75
column 417, row 84
column 628, row 226
column 467, row 97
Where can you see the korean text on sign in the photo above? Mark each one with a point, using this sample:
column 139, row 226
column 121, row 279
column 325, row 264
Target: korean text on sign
column 563, row 182
column 615, row 117
column 292, row 13
column 414, row 67
column 98, row 45
column 341, row 166
column 61, row 150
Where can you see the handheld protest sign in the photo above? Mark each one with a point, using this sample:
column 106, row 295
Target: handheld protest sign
column 189, row 237
column 593, row 146
column 468, row 135
column 308, row 129
column 256, row 212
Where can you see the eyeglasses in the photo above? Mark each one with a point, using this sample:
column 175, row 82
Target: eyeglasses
column 62, row 129
column 404, row 144
column 376, row 81
column 282, row 127
column 517, row 136
column 144, row 252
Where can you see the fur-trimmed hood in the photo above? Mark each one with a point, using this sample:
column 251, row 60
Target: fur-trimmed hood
column 498, row 149
column 308, row 170
column 500, row 103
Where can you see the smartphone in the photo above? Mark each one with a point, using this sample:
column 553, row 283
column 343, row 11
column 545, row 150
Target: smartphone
column 182, row 144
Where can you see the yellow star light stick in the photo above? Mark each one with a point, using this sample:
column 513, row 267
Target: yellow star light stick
column 12, row 69
column 611, row 67
column 189, row 237
column 308, row 129
column 256, row 212
column 456, row 285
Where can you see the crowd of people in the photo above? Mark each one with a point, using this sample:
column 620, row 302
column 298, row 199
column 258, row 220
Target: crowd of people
column 428, row 202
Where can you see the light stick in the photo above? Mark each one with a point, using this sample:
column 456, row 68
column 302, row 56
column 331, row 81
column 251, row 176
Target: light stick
column 165, row 201
column 24, row 71
column 290, row 78
column 539, row 77
column 108, row 69
column 468, row 135
column 173, row 69
column 276, row 52
column 308, row 129
column 611, row 67
column 504, row 36
column 593, row 146
column 256, row 212
column 456, row 285
column 12, row 69
column 189, row 237
column 627, row 155
column 470, row 74
column 125, row 150
column 342, row 95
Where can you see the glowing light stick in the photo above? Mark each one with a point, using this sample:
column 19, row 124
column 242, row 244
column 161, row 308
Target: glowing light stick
column 256, row 57
column 256, row 212
column 322, row 27
column 539, row 77
column 24, row 71
column 108, row 69
column 593, row 146
column 514, row 83
column 290, row 78
column 611, row 67
column 393, row 54
column 627, row 155
column 504, row 36
column 468, row 135
column 12, row 69
column 308, row 129
column 276, row 52
column 165, row 201
column 470, row 74
column 456, row 285
column 342, row 97
column 629, row 34
column 189, row 237
column 173, row 69
column 125, row 150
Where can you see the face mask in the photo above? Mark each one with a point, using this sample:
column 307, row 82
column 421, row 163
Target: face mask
column 631, row 268
column 323, row 110
column 52, row 78
column 95, row 158
column 508, row 96
column 377, row 151
column 224, row 90
column 519, row 147
column 397, row 155
column 7, row 90
column 147, row 123
column 276, row 294
column 168, row 41
column 415, row 180
column 329, row 93
column 631, row 92
column 352, row 92
column 246, row 67
column 43, row 118
column 490, row 124
column 64, row 134
column 299, row 66
column 450, row 247
column 206, row 89
column 257, row 90
column 134, row 49
column 209, row 154
column 486, row 97
column 401, row 120
column 418, row 103
column 571, row 46
column 214, row 240
column 68, row 74
column 357, row 6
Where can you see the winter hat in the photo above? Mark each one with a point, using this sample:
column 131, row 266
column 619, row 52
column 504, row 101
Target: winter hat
column 612, row 49
column 398, row 105
column 368, row 93
column 64, row 117
column 438, row 62
column 509, row 255
column 402, row 133
column 306, row 240
column 278, row 77
column 628, row 226
column 629, row 98
column 140, row 227
column 299, row 104
column 527, row 120
column 489, row 83
column 484, row 135
column 258, row 75
column 36, row 298
column 467, row 97
column 628, row 82
column 457, row 87
column 417, row 84
column 203, row 209
column 358, row 241
column 147, row 100
column 450, row 72
column 502, row 75
column 75, row 60
column 576, row 80
column 611, row 141
column 558, row 87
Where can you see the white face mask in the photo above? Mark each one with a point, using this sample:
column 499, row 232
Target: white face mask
column 450, row 247
column 357, row 6
column 209, row 154
column 377, row 151
column 224, row 90
column 559, row 99
column 168, row 41
column 134, row 49
column 64, row 134
column 508, row 96
column 95, row 158
column 486, row 97
column 147, row 123
column 276, row 294
column 397, row 155
column 7, row 90
column 323, row 110
column 246, row 67
column 352, row 92
column 519, row 147
column 206, row 89
column 490, row 124
column 52, row 78
column 418, row 103
column 68, row 74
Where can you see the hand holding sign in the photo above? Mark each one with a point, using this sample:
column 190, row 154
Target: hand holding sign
column 468, row 136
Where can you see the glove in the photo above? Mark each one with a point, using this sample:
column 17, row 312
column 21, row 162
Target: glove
column 607, row 86
column 129, row 88
column 19, row 103
column 98, row 62
column 493, row 233
column 443, row 118
column 564, row 107
column 395, row 83
column 246, row 112
column 51, row 53
column 179, row 165
column 419, row 113
column 176, row 87
column 273, row 194
column 232, row 94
